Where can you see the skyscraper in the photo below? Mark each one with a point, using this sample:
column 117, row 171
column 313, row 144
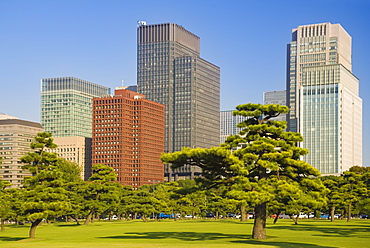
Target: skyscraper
column 128, row 135
column 170, row 71
column 66, row 105
column 323, row 96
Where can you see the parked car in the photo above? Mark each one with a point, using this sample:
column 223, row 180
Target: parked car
column 231, row 215
column 114, row 217
column 250, row 215
column 363, row 216
column 301, row 216
column 165, row 216
column 324, row 216
column 210, row 215
column 284, row 216
column 189, row 216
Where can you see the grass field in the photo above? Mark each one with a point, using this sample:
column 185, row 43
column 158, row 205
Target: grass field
column 191, row 233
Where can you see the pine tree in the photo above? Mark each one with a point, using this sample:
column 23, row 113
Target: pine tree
column 254, row 161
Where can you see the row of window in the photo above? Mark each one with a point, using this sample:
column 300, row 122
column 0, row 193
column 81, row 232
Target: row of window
column 20, row 134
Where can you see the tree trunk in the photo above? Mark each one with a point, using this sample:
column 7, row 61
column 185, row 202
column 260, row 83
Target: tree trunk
column 295, row 219
column 180, row 215
column 276, row 218
column 33, row 228
column 349, row 212
column 217, row 215
column 342, row 214
column 243, row 214
column 259, row 227
column 88, row 218
column 2, row 225
column 332, row 212
column 76, row 219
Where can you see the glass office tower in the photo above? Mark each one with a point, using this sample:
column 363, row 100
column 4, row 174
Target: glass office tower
column 66, row 105
column 170, row 71
column 323, row 96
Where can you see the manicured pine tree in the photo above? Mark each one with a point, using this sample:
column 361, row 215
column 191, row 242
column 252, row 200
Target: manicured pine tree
column 100, row 192
column 263, row 153
column 44, row 194
column 351, row 189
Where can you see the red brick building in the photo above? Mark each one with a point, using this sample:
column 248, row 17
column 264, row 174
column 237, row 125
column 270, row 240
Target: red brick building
column 128, row 135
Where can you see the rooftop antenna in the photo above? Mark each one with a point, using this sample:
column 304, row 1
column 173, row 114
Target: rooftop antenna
column 122, row 87
column 141, row 23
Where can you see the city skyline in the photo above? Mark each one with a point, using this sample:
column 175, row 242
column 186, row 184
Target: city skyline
column 98, row 44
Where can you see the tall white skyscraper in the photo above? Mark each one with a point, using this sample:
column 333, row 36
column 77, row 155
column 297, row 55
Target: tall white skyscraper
column 323, row 96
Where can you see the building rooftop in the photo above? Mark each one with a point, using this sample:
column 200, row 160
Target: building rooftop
column 7, row 117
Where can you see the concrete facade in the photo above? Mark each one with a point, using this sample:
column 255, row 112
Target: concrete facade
column 77, row 150
column 15, row 139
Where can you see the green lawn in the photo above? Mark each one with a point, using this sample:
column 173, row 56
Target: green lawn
column 191, row 233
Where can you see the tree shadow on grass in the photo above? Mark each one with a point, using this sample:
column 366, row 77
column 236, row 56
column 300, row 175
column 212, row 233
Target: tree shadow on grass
column 327, row 230
column 68, row 225
column 194, row 236
column 5, row 238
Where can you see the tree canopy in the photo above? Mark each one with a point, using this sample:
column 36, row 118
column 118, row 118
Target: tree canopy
column 254, row 162
column 44, row 194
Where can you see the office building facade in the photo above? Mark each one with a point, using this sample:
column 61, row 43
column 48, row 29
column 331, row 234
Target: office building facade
column 75, row 149
column 128, row 135
column 276, row 97
column 16, row 137
column 170, row 71
column 66, row 105
column 323, row 96
column 228, row 124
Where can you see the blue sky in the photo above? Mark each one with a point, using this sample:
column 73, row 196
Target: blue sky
column 96, row 40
